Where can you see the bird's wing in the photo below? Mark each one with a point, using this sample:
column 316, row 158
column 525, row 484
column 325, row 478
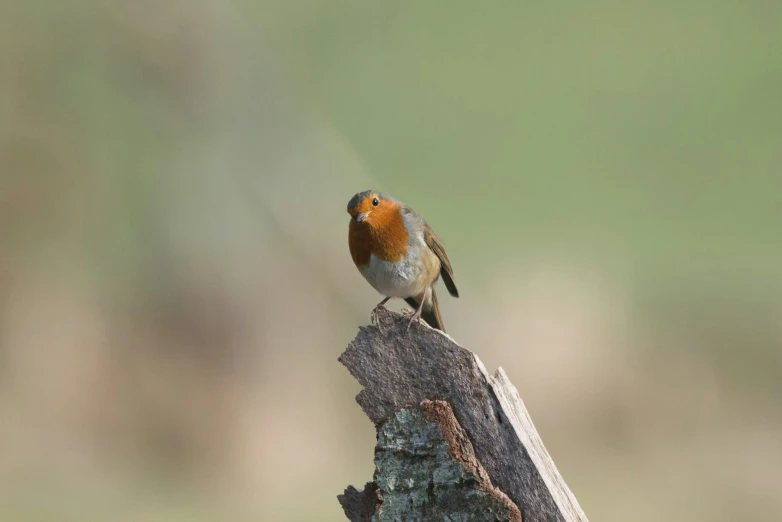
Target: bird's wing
column 446, row 271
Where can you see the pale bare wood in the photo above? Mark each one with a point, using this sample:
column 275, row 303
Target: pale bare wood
column 400, row 368
column 513, row 406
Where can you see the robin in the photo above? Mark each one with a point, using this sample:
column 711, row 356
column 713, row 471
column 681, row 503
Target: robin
column 398, row 254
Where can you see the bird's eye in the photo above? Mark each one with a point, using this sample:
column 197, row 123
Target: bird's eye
column 375, row 202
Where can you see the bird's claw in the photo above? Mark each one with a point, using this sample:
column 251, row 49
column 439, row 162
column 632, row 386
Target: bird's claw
column 415, row 317
column 373, row 318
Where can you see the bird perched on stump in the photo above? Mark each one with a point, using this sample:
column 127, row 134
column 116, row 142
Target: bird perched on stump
column 398, row 254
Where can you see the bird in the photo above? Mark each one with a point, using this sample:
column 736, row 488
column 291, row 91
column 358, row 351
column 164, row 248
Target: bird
column 400, row 256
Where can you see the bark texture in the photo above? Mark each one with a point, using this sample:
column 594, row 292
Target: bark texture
column 450, row 437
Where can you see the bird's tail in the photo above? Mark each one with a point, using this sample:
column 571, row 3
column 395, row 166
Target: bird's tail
column 431, row 310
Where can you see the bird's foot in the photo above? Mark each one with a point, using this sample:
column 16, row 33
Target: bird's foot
column 373, row 315
column 416, row 316
column 374, row 319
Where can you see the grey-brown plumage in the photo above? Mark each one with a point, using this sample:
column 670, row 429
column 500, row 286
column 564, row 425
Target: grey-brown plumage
column 431, row 309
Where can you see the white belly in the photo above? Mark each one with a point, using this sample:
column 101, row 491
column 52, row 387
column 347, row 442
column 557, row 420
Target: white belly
column 395, row 279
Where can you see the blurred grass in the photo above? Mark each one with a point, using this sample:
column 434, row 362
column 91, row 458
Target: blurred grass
column 172, row 188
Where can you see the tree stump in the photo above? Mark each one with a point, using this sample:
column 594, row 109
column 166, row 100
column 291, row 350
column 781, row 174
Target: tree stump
column 453, row 442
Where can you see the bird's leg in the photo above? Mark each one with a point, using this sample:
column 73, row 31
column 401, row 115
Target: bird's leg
column 373, row 315
column 417, row 314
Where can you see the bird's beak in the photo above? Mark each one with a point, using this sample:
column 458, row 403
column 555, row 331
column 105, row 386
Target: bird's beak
column 361, row 216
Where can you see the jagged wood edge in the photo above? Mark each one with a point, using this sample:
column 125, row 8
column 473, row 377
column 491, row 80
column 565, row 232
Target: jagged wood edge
column 399, row 368
column 359, row 506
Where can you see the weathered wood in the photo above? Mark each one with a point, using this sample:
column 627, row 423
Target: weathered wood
column 360, row 506
column 400, row 369
column 427, row 470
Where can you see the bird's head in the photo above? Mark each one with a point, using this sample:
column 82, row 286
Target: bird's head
column 373, row 208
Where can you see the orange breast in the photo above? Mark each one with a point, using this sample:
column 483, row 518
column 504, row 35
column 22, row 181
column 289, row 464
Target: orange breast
column 383, row 233
column 360, row 242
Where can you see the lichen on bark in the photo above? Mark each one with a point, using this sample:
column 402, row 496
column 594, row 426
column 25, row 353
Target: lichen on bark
column 426, row 470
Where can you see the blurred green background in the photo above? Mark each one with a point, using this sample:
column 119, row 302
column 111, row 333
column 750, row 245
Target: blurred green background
column 175, row 284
